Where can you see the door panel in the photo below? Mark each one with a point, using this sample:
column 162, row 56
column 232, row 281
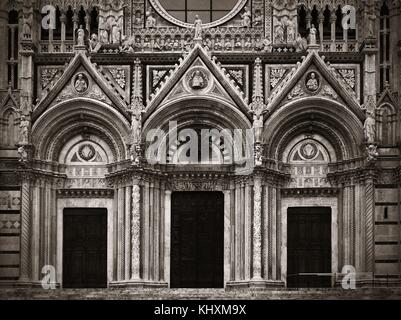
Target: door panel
column 197, row 230
column 85, row 248
column 309, row 247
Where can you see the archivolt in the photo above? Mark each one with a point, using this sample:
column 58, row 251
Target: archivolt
column 314, row 115
column 65, row 120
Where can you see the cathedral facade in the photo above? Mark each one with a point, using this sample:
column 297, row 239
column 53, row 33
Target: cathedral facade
column 205, row 144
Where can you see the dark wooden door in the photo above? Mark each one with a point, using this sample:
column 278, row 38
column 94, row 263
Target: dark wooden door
column 197, row 235
column 85, row 248
column 309, row 247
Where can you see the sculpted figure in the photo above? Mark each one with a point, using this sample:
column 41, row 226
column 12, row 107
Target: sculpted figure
column 198, row 28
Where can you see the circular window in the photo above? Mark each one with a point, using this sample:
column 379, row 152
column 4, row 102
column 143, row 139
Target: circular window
column 211, row 12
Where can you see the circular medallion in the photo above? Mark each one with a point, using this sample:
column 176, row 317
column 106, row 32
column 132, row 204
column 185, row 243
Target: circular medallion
column 312, row 82
column 81, row 83
column 198, row 80
column 308, row 150
column 86, row 152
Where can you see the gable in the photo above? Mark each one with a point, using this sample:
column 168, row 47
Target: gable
column 82, row 79
column 198, row 81
column 182, row 82
column 313, row 77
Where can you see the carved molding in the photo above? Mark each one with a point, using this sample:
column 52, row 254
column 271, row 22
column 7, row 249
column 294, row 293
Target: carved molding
column 85, row 193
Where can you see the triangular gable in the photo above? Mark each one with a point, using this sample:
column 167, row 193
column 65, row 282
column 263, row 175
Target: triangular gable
column 198, row 60
column 100, row 86
column 332, row 86
column 387, row 97
column 9, row 97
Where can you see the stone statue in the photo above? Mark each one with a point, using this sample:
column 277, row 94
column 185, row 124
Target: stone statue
column 290, row 31
column 372, row 152
column 258, row 155
column 136, row 127
column 279, row 34
column 94, row 45
column 150, row 20
column 246, row 18
column 25, row 125
column 198, row 28
column 136, row 154
column 300, row 43
column 104, row 36
column 27, row 26
column 371, row 25
column 370, row 128
column 258, row 127
column 23, row 154
column 257, row 19
column 80, row 36
column 312, row 35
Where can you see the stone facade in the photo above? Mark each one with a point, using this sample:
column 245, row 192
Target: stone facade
column 78, row 105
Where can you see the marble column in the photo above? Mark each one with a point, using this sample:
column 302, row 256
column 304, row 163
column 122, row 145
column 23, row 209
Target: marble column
column 167, row 235
column 135, row 231
column 256, row 228
column 370, row 225
column 227, row 236
column 120, row 234
column 25, row 230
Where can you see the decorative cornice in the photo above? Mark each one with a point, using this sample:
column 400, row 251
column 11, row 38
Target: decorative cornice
column 310, row 192
column 85, row 193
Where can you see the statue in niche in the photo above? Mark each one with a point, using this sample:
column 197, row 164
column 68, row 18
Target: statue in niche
column 312, row 35
column 198, row 28
column 217, row 44
column 138, row 18
column 290, row 31
column 370, row 127
column 150, row 20
column 246, row 18
column 24, row 126
column 104, row 35
column 81, row 83
column 312, row 82
column 188, row 44
column 248, row 43
column 227, row 44
column 258, row 18
column 116, row 35
column 238, row 43
column 300, row 43
column 371, row 22
column 80, row 36
column 279, row 28
column 157, row 46
column 27, row 25
column 136, row 127
column 94, row 43
column 207, row 43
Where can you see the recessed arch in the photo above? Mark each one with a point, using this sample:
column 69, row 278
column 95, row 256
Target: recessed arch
column 316, row 115
column 64, row 121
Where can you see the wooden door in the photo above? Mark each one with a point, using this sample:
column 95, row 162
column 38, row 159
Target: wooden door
column 309, row 247
column 197, row 236
column 85, row 248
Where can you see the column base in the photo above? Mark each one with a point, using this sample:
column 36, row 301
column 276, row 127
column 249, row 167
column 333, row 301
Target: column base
column 255, row 284
column 137, row 284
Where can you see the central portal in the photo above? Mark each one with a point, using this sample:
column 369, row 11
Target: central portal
column 197, row 240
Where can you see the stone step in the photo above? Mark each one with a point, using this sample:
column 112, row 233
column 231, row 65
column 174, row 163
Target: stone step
column 198, row 294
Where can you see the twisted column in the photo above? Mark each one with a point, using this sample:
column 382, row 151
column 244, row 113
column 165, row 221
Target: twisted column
column 369, row 225
column 25, row 230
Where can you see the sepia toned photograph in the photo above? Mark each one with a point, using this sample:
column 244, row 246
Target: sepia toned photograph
column 200, row 150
